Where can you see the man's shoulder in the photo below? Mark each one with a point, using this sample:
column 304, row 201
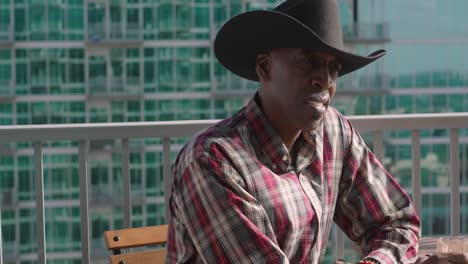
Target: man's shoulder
column 204, row 143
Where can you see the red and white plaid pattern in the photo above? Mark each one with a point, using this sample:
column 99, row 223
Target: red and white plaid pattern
column 237, row 196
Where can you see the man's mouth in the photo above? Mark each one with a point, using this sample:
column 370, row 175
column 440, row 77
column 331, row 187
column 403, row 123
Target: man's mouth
column 319, row 99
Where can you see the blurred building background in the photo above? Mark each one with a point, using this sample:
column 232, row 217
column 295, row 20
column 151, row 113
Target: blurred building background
column 85, row 61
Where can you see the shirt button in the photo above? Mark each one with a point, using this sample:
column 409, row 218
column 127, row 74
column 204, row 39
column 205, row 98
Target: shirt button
column 285, row 158
column 274, row 166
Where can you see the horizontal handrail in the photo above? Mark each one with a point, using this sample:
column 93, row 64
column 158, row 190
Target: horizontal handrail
column 160, row 129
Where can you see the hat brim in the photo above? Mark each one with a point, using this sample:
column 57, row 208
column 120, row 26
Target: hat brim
column 249, row 34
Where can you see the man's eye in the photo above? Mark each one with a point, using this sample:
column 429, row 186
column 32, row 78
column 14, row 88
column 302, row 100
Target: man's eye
column 312, row 61
column 334, row 67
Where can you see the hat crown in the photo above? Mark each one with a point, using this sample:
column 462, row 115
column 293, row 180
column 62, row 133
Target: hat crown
column 305, row 24
column 320, row 16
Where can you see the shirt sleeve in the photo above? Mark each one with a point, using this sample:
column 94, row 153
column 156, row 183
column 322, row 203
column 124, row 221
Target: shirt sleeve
column 373, row 209
column 214, row 219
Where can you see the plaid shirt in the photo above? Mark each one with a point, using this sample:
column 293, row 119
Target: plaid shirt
column 237, row 197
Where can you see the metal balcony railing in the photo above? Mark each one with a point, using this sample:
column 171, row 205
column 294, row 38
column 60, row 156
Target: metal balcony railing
column 84, row 133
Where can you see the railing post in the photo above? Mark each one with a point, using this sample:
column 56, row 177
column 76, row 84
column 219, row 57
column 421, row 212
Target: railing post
column 127, row 202
column 339, row 243
column 167, row 175
column 84, row 202
column 416, row 159
column 454, row 182
column 40, row 215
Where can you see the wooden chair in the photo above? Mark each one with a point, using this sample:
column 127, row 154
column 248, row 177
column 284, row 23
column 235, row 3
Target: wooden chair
column 137, row 237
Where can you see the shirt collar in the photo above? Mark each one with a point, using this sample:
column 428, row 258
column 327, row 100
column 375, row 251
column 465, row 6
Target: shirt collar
column 270, row 142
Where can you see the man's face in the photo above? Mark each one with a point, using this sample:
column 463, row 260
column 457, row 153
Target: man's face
column 301, row 84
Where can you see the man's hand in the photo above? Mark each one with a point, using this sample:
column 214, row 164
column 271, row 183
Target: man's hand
column 443, row 259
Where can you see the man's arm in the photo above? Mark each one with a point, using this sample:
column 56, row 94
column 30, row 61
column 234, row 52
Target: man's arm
column 372, row 208
column 217, row 218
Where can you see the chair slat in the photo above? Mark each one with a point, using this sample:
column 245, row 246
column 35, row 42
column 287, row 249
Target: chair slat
column 136, row 237
column 427, row 245
column 143, row 257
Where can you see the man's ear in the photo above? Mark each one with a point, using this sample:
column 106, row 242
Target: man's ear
column 262, row 67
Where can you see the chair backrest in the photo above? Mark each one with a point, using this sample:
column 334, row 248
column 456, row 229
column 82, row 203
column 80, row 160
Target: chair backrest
column 427, row 245
column 136, row 237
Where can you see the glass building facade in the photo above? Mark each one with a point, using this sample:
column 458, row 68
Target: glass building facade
column 87, row 61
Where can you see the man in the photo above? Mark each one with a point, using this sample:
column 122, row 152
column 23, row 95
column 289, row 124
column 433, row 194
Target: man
column 265, row 185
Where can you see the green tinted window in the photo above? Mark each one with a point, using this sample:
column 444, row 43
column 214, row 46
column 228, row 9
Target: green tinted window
column 38, row 21
column 55, row 21
column 423, row 80
column 406, row 102
column 20, row 23
column 6, row 114
column 98, row 115
column 150, row 110
column 39, row 113
column 166, row 110
column 165, row 21
column 165, row 70
column 439, row 79
column 134, row 110
column 456, row 103
column 75, row 17
column 8, row 226
column 149, row 22
column 6, row 173
column 22, row 113
column 440, row 103
column 422, row 104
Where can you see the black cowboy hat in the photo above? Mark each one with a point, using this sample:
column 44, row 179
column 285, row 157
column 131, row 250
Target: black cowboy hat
column 309, row 24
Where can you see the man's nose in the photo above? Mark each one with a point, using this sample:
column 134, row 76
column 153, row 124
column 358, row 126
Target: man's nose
column 322, row 79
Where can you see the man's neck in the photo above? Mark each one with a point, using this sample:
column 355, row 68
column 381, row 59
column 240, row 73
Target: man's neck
column 289, row 137
column 280, row 123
